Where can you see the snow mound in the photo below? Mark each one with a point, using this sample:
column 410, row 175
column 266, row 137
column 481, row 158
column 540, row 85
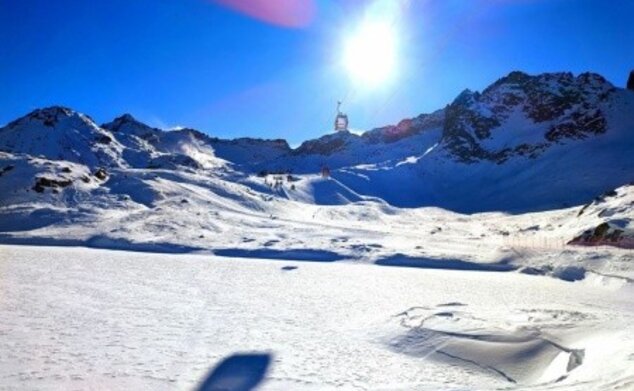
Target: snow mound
column 322, row 191
column 457, row 337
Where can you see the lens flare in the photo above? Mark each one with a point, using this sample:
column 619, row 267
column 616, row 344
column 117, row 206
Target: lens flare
column 285, row 13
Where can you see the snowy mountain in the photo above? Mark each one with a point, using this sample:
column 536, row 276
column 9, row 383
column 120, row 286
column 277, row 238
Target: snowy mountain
column 59, row 133
column 145, row 143
column 523, row 115
column 526, row 143
column 147, row 147
column 388, row 144
column 249, row 151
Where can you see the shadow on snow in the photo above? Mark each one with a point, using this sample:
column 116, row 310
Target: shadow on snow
column 402, row 260
column 238, row 372
column 284, row 255
column 103, row 242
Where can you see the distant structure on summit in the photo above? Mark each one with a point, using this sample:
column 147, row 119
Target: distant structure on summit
column 341, row 120
column 630, row 81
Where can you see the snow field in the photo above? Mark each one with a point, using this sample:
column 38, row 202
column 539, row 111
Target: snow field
column 76, row 318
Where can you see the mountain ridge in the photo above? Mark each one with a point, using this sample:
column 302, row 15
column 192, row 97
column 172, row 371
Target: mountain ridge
column 506, row 146
column 543, row 107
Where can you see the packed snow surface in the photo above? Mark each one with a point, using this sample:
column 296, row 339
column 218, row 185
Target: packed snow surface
column 77, row 318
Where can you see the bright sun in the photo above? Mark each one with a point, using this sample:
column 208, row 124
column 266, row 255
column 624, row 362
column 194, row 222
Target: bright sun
column 370, row 53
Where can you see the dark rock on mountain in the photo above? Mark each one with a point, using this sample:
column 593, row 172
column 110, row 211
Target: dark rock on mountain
column 630, row 81
column 566, row 107
column 602, row 234
column 579, row 125
column 48, row 117
column 101, row 174
column 465, row 125
column 173, row 162
column 326, row 145
column 6, row 169
column 41, row 183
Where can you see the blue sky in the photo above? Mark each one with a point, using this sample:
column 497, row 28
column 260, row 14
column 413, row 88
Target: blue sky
column 197, row 63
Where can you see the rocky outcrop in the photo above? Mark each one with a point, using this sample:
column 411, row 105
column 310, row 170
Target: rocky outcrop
column 465, row 124
column 173, row 161
column 41, row 183
column 405, row 128
column 101, row 174
column 326, row 145
column 6, row 169
column 610, row 219
column 604, row 234
column 630, row 81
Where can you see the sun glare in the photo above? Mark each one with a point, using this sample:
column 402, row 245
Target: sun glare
column 370, row 53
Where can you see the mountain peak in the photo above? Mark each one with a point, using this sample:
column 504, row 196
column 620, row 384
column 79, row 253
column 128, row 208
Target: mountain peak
column 50, row 117
column 127, row 123
column 127, row 117
column 54, row 110
column 60, row 133
column 514, row 77
column 466, row 97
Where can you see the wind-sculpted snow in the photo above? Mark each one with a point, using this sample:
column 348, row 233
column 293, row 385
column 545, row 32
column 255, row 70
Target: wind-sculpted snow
column 460, row 338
